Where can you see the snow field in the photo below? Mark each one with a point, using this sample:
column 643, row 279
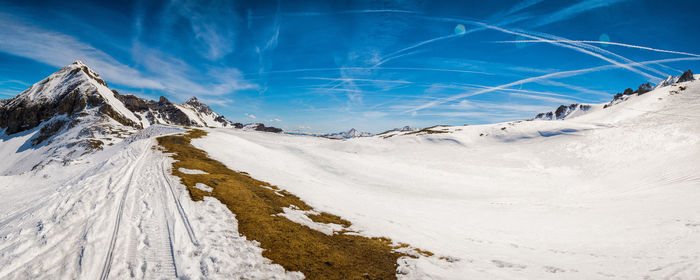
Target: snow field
column 609, row 194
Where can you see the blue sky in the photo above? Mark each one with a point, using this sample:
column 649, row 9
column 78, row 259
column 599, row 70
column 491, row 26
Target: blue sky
column 324, row 66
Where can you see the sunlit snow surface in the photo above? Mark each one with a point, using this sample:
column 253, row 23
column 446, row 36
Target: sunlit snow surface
column 610, row 194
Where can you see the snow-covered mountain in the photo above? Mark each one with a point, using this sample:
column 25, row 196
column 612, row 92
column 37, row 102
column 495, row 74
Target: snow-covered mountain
column 75, row 112
column 352, row 133
column 574, row 110
column 76, row 88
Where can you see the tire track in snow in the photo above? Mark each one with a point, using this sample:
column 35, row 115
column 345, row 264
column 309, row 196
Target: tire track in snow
column 110, row 251
column 180, row 210
column 161, row 257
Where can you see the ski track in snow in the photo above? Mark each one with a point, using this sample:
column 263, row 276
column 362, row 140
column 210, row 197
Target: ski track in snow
column 123, row 217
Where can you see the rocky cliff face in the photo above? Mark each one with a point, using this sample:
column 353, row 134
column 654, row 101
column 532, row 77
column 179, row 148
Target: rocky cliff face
column 69, row 91
column 686, row 77
column 190, row 113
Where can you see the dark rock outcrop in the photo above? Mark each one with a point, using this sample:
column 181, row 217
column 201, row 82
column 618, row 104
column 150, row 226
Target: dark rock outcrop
column 686, row 77
column 20, row 114
column 132, row 102
column 168, row 112
column 201, row 107
column 262, row 127
column 644, row 88
column 562, row 112
column 107, row 110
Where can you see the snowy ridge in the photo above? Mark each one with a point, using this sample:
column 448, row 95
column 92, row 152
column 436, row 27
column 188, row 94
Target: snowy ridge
column 574, row 110
column 352, row 133
column 564, row 111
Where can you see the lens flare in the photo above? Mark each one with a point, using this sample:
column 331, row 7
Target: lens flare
column 604, row 38
column 460, row 29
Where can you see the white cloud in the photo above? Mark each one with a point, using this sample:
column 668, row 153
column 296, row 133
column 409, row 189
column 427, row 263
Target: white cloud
column 213, row 23
column 59, row 50
column 250, row 116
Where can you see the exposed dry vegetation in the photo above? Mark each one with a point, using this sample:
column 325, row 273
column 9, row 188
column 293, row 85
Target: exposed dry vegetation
column 296, row 247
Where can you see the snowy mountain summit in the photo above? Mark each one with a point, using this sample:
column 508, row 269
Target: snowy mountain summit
column 76, row 88
column 75, row 112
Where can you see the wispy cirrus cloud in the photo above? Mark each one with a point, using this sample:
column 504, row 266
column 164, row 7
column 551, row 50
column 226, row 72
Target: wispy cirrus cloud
column 213, row 24
column 574, row 10
column 158, row 71
column 179, row 77
column 57, row 49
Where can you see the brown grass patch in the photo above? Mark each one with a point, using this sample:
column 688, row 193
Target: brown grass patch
column 294, row 246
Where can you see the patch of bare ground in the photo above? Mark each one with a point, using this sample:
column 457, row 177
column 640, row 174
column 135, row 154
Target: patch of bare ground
column 296, row 247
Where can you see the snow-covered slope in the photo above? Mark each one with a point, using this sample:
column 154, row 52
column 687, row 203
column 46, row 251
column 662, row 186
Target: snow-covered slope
column 611, row 194
column 120, row 215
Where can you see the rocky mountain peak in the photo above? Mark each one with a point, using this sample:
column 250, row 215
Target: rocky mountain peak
column 201, row 107
column 686, row 77
column 68, row 91
column 193, row 101
column 352, row 133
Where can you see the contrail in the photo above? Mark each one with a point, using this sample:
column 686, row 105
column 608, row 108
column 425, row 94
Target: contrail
column 597, row 49
column 561, row 74
column 602, row 43
column 367, row 11
column 395, row 55
column 579, row 49
column 526, row 91
column 576, row 48
column 572, row 87
column 574, row 10
column 523, row 5
column 392, row 55
column 355, row 80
